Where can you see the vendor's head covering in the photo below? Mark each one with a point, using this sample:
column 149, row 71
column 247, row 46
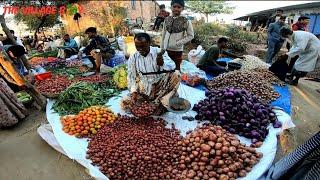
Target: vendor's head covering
column 181, row 2
column 17, row 50
column 303, row 18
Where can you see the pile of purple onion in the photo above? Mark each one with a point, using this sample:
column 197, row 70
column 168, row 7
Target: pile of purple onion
column 237, row 111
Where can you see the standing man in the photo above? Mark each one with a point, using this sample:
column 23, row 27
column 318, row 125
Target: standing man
column 146, row 76
column 276, row 17
column 161, row 16
column 302, row 24
column 177, row 31
column 98, row 49
column 70, row 46
column 307, row 47
column 275, row 41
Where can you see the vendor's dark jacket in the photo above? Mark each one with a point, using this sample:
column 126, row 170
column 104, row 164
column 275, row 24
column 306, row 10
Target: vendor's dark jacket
column 212, row 54
column 99, row 42
column 274, row 31
column 271, row 19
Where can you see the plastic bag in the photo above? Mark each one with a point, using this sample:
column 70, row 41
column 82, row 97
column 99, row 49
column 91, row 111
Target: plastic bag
column 191, row 79
column 168, row 62
column 122, row 44
column 190, row 68
column 195, row 55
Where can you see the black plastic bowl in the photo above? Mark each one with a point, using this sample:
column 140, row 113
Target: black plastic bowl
column 234, row 66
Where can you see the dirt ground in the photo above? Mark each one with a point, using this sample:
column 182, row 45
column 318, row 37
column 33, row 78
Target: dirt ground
column 24, row 155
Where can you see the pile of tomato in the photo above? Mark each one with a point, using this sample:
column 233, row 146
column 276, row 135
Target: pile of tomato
column 88, row 121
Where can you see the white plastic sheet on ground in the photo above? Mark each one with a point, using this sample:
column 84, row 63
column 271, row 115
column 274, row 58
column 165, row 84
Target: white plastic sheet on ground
column 76, row 148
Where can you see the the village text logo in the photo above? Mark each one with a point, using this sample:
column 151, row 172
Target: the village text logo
column 70, row 9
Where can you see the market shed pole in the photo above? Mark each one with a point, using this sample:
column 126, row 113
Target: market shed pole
column 40, row 100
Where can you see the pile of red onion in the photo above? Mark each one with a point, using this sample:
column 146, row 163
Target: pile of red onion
column 135, row 149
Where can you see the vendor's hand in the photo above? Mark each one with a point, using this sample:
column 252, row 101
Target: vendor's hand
column 283, row 57
column 80, row 55
column 162, row 51
column 134, row 97
column 160, row 60
column 95, row 55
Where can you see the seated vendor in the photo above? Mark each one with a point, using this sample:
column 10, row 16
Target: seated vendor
column 14, row 52
column 11, row 66
column 11, row 81
column 146, row 74
column 209, row 63
column 70, row 46
column 98, row 49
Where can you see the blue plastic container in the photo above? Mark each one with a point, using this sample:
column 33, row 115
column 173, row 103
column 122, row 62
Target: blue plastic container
column 116, row 60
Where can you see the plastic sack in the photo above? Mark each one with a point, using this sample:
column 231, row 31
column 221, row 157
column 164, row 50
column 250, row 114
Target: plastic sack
column 73, row 57
column 191, row 79
column 195, row 55
column 122, row 44
column 39, row 69
column 191, row 69
column 61, row 54
column 116, row 60
column 168, row 62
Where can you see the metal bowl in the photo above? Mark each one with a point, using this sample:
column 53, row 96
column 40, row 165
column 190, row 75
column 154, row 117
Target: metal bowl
column 183, row 103
column 234, row 66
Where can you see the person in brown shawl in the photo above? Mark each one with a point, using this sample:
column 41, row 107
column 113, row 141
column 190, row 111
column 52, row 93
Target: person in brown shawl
column 177, row 31
column 11, row 110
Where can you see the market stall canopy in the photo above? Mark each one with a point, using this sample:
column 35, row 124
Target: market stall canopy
column 268, row 12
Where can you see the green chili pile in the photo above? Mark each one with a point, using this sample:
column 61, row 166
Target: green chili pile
column 82, row 95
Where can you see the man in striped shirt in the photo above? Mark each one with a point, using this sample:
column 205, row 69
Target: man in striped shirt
column 148, row 74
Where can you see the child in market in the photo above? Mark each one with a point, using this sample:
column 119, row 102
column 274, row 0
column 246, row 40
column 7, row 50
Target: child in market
column 177, row 31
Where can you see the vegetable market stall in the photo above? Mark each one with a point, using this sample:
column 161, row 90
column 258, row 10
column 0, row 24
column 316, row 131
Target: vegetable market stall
column 76, row 148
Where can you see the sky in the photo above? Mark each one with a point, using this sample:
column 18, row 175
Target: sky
column 246, row 7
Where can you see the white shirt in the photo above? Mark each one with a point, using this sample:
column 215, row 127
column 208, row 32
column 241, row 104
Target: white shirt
column 307, row 46
column 138, row 64
column 19, row 42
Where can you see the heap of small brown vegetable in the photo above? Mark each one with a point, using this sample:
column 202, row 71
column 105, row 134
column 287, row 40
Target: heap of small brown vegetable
column 269, row 76
column 144, row 109
column 314, row 74
column 248, row 80
column 133, row 149
column 53, row 86
column 93, row 79
column 210, row 152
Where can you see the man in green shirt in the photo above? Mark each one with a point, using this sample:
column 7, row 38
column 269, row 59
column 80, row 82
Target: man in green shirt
column 208, row 62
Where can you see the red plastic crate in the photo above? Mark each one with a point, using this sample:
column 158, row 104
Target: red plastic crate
column 43, row 76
